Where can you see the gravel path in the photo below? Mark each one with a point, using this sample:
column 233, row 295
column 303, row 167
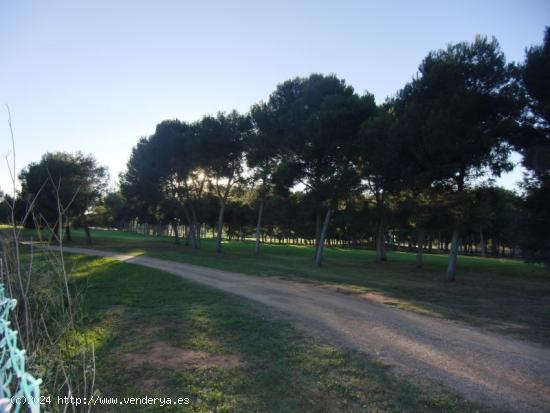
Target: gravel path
column 496, row 370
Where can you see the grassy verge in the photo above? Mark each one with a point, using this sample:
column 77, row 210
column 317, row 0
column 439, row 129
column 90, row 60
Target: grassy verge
column 502, row 295
column 159, row 336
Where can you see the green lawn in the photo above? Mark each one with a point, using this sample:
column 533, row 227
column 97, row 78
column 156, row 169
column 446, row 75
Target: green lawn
column 158, row 336
column 501, row 295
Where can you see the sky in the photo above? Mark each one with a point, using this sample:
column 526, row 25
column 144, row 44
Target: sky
column 97, row 75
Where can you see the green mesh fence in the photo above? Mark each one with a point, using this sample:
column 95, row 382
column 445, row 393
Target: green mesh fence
column 19, row 390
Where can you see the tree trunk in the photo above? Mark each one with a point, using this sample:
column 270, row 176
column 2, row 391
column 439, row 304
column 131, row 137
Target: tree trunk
column 258, row 228
column 176, row 234
column 190, row 232
column 317, row 228
column 194, row 233
column 187, row 235
column 68, row 233
column 195, row 228
column 420, row 249
column 451, row 267
column 322, row 236
column 88, row 235
column 220, row 228
column 380, row 243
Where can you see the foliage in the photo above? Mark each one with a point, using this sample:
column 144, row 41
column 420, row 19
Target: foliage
column 536, row 224
column 534, row 143
column 62, row 183
column 404, row 172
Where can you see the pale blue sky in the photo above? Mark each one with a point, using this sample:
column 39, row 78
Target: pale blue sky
column 97, row 75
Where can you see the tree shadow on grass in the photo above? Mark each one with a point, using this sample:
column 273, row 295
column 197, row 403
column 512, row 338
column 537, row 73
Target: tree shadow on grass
column 275, row 368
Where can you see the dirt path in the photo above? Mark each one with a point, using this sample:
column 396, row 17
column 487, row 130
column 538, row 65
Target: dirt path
column 495, row 370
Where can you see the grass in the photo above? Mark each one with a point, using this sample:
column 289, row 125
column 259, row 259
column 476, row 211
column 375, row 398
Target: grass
column 249, row 359
column 503, row 295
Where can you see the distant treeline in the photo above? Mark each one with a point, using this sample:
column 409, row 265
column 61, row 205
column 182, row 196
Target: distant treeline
column 494, row 222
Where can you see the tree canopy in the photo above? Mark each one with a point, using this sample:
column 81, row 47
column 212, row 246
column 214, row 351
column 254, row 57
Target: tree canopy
column 63, row 183
column 318, row 163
